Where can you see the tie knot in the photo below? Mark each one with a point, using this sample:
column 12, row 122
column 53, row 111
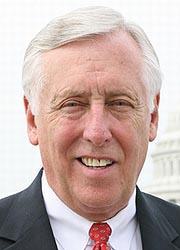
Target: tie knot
column 100, row 232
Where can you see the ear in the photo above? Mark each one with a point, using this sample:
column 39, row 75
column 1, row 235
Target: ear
column 154, row 118
column 31, row 125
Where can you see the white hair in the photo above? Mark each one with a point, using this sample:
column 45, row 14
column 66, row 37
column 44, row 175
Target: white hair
column 78, row 25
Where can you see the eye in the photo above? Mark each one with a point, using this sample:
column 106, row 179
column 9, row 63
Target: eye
column 72, row 106
column 120, row 104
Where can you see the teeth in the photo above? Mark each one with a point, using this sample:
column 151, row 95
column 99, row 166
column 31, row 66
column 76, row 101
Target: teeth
column 91, row 162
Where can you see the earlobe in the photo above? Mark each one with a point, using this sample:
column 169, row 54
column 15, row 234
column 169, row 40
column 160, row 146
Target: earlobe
column 152, row 132
column 154, row 119
column 31, row 124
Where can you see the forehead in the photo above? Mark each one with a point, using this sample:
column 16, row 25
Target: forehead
column 101, row 60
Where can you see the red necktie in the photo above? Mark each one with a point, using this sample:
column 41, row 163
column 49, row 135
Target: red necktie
column 99, row 233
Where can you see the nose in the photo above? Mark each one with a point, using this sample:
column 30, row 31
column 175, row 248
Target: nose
column 96, row 129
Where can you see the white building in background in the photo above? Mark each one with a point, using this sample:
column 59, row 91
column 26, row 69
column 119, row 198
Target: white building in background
column 166, row 162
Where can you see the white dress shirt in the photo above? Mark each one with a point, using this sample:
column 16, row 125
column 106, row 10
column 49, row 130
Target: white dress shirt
column 71, row 230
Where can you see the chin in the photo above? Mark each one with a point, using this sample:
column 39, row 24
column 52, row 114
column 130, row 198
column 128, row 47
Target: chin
column 98, row 209
column 101, row 202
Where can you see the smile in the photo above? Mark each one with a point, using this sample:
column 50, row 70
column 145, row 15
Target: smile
column 95, row 163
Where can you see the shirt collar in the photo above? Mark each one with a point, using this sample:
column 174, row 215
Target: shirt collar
column 68, row 226
column 123, row 225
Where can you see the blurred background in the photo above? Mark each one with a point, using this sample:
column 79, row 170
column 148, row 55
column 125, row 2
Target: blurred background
column 20, row 20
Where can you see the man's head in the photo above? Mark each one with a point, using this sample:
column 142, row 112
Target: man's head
column 92, row 83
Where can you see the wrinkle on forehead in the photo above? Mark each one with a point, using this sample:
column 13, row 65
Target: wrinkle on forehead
column 92, row 64
column 118, row 46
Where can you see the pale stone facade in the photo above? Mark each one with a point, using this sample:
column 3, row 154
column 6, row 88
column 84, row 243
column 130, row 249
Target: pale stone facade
column 166, row 159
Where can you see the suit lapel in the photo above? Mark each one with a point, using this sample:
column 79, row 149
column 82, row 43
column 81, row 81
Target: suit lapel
column 156, row 231
column 38, row 237
column 26, row 225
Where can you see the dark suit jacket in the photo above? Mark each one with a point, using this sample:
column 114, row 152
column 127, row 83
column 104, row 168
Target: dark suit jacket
column 24, row 223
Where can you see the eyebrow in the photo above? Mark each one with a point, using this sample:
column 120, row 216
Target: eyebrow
column 132, row 94
column 68, row 93
column 85, row 93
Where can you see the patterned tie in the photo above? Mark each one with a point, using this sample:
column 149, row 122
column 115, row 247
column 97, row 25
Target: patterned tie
column 99, row 233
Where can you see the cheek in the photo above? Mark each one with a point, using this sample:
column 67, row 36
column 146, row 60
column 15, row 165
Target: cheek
column 64, row 134
column 139, row 119
column 141, row 125
column 128, row 132
column 133, row 139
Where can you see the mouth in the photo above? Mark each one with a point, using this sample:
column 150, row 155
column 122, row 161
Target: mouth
column 94, row 163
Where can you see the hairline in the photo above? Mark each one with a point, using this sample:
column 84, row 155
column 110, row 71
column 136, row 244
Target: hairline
column 125, row 26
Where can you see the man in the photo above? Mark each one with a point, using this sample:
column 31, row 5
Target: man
column 92, row 85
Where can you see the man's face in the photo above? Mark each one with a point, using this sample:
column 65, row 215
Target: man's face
column 94, row 123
